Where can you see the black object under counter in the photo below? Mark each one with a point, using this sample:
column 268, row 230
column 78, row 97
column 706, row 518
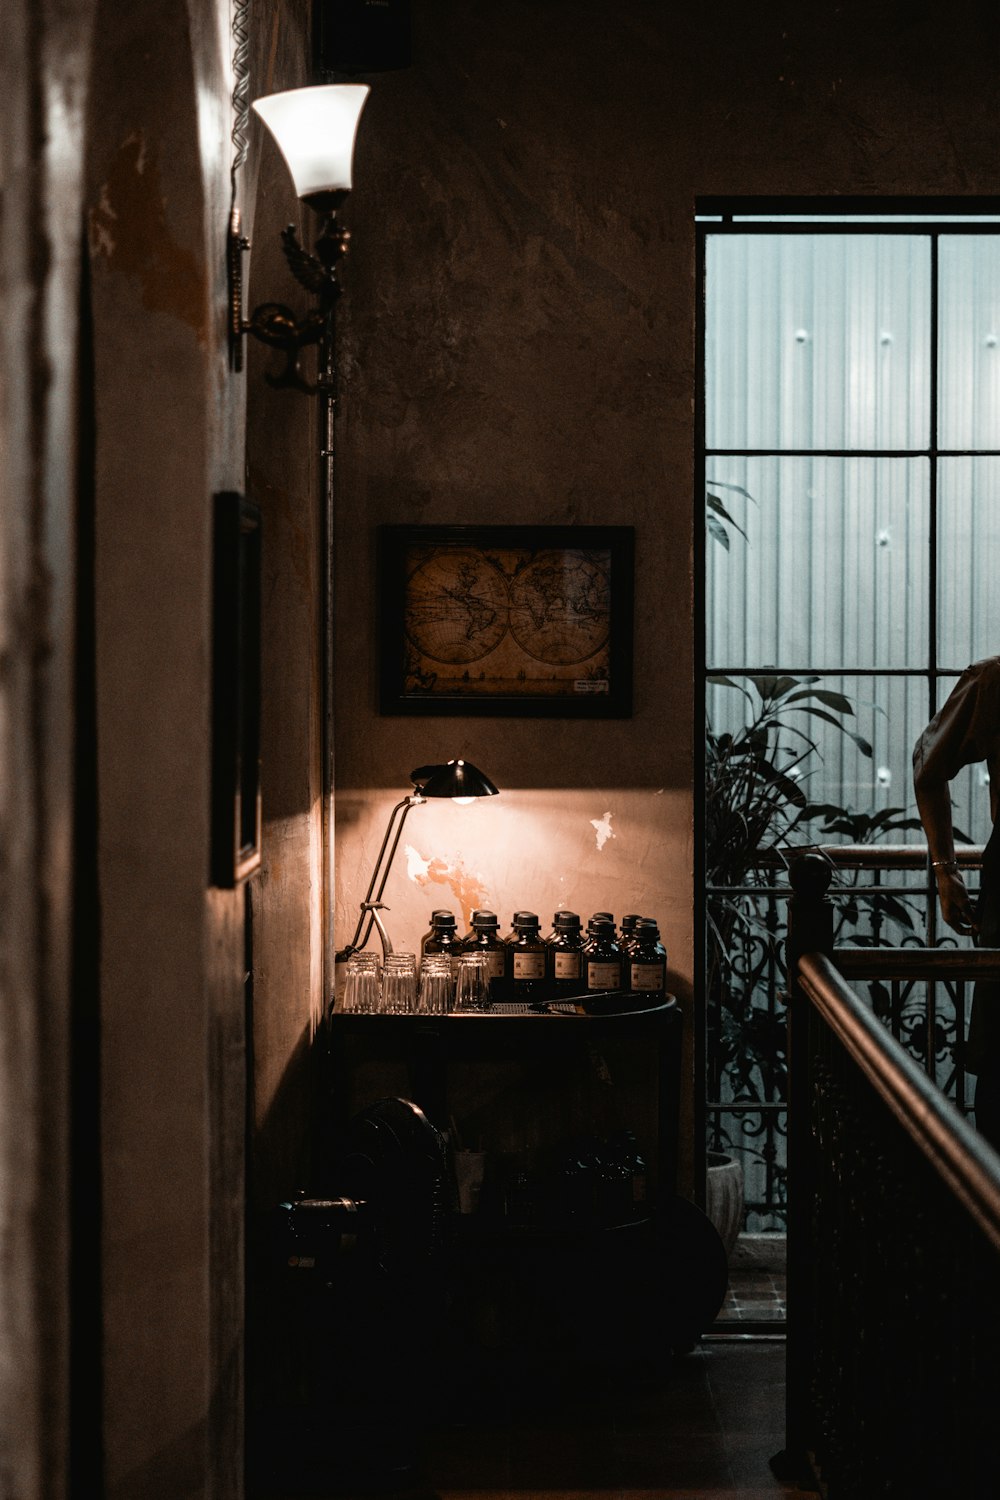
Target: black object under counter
column 417, row 1055
column 542, row 1298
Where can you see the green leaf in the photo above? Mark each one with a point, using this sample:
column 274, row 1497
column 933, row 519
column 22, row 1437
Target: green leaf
column 832, row 700
column 714, row 504
column 717, row 531
column 828, row 810
column 820, row 713
column 783, row 687
column 893, row 817
column 898, row 911
column 736, row 488
column 779, row 782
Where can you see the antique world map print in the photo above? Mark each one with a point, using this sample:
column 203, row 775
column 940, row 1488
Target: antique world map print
column 507, row 620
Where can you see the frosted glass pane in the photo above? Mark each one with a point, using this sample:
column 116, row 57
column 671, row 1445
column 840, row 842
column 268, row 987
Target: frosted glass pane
column 834, row 569
column 889, row 712
column 969, row 380
column 817, row 341
column 968, row 560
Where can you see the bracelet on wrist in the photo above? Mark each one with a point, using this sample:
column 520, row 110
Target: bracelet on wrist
column 944, row 864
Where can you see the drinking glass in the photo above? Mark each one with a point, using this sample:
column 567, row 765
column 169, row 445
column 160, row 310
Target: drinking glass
column 362, row 990
column 437, row 988
column 399, row 984
column 472, row 986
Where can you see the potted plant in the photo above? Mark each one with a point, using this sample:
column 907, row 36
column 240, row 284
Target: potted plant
column 756, row 807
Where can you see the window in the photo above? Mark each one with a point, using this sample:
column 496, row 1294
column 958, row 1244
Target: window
column 851, row 419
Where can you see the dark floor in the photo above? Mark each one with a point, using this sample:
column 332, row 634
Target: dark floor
column 708, row 1431
column 704, row 1432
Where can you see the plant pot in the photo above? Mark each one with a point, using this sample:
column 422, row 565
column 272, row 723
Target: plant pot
column 724, row 1197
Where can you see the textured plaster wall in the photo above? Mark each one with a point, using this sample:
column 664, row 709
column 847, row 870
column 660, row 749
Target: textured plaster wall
column 282, row 477
column 121, row 974
column 518, row 344
column 171, row 1009
column 515, row 851
column 43, row 82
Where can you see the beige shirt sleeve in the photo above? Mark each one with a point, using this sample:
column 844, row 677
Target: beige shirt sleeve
column 966, row 728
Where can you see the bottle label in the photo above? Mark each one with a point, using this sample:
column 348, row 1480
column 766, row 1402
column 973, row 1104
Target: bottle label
column 566, row 965
column 529, row 966
column 647, row 976
column 496, row 962
column 604, row 976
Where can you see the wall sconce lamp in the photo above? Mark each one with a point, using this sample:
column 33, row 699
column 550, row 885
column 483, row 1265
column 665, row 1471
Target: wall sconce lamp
column 314, row 129
column 458, row 779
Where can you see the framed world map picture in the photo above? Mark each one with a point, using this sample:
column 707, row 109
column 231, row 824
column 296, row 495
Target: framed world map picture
column 515, row 620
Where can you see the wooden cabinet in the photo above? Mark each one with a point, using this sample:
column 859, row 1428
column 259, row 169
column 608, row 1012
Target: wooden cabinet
column 516, row 1081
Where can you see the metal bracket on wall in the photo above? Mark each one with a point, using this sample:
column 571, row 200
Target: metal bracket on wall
column 274, row 323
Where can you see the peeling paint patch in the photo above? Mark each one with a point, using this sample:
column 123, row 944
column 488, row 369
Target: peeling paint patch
column 602, row 827
column 416, row 866
column 130, row 232
column 102, row 240
column 468, row 889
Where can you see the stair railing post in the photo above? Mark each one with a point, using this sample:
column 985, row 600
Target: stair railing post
column 810, row 930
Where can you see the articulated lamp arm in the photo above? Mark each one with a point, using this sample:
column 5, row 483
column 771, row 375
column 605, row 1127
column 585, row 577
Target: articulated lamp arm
column 459, row 780
column 372, row 903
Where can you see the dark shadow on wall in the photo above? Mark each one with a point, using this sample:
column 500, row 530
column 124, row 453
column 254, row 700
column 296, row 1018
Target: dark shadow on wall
column 86, row 1309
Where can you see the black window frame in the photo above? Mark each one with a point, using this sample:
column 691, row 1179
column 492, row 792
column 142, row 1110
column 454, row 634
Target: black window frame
column 931, row 217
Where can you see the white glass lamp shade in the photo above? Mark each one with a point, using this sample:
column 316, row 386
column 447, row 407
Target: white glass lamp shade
column 314, row 130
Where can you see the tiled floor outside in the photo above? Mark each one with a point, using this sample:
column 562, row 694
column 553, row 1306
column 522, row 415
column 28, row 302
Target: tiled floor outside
column 756, row 1297
column 756, row 1284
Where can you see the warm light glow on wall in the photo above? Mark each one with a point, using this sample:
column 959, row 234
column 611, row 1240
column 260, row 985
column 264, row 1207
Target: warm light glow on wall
column 529, row 849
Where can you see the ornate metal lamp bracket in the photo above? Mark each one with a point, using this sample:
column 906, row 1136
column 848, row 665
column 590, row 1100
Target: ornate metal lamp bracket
column 275, row 324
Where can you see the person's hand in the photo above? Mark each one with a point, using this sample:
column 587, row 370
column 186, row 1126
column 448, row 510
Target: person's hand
column 956, row 903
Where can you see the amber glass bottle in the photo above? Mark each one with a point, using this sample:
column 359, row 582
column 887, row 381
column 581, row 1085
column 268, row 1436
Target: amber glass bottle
column 626, row 931
column 602, row 966
column 564, row 958
column 647, row 960
column 484, row 937
column 526, row 958
column 443, row 937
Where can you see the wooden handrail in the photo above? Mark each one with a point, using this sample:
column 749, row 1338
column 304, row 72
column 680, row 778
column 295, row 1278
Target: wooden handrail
column 918, row 963
column 873, row 1146
column 867, row 856
column 963, row 1159
column 894, row 856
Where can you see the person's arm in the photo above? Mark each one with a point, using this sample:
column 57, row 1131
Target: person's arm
column 957, row 736
column 934, row 807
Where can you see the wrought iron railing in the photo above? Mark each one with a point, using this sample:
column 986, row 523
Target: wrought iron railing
column 893, row 1236
column 883, row 897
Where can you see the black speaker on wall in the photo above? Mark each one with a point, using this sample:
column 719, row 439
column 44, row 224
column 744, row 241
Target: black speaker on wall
column 361, row 36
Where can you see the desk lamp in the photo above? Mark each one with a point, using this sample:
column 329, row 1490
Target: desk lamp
column 458, row 779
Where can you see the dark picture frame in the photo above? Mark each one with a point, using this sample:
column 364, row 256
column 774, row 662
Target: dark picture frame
column 526, row 621
column 236, row 790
